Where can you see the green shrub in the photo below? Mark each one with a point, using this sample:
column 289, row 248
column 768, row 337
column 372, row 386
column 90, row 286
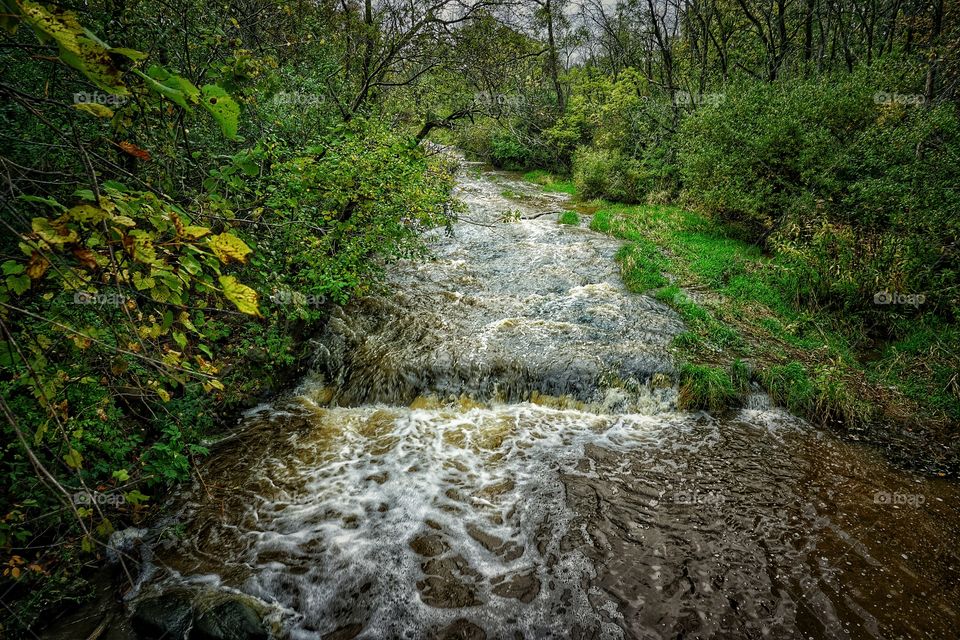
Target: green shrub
column 608, row 174
column 858, row 196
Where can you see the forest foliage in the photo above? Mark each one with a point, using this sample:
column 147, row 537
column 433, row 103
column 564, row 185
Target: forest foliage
column 189, row 184
column 179, row 213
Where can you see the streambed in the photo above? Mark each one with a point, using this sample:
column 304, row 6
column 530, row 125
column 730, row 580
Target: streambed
column 491, row 449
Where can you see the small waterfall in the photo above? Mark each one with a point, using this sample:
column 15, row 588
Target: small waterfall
column 490, row 448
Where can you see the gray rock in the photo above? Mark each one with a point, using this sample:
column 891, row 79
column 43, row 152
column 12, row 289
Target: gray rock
column 125, row 544
column 230, row 620
column 165, row 617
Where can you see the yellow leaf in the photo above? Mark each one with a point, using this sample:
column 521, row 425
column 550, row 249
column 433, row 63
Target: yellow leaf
column 229, row 247
column 241, row 295
column 195, row 232
column 87, row 213
column 53, row 233
column 126, row 221
column 94, row 109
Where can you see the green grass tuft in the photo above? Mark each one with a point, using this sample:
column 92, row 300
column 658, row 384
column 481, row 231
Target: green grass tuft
column 790, row 386
column 561, row 186
column 569, row 217
column 641, row 266
column 706, row 387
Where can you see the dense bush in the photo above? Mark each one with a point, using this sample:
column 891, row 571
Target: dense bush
column 598, row 173
column 859, row 190
column 160, row 271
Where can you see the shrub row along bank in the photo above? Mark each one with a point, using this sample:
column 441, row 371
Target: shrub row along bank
column 827, row 153
column 837, row 171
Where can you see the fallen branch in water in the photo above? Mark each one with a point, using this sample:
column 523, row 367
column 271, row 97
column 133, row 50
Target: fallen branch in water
column 474, row 222
column 545, row 213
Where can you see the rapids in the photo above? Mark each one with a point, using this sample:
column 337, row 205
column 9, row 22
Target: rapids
column 491, row 448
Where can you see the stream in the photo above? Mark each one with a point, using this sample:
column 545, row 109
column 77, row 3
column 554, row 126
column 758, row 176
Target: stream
column 490, row 448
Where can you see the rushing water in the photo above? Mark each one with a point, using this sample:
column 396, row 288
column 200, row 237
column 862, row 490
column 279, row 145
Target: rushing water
column 491, row 449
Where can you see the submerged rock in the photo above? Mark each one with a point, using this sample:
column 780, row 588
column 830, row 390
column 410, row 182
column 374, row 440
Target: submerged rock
column 506, row 549
column 346, row 632
column 443, row 587
column 125, row 544
column 231, row 620
column 428, row 545
column 165, row 617
column 190, row 614
column 461, row 629
column 522, row 586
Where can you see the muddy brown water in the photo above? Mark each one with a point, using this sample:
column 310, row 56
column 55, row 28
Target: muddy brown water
column 491, row 448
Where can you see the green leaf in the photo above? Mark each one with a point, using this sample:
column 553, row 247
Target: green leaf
column 223, row 108
column 18, row 284
column 73, row 459
column 186, row 322
column 87, row 213
column 135, row 497
column 133, row 54
column 78, row 47
column 142, row 283
column 190, row 264
column 51, row 234
column 175, row 88
column 195, row 232
column 121, row 475
column 105, row 528
column 12, row 267
column 47, row 201
column 240, row 295
column 180, row 339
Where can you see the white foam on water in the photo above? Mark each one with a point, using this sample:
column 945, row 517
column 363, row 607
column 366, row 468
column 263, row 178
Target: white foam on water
column 373, row 479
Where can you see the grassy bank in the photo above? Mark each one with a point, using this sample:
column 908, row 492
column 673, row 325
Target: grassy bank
column 744, row 325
